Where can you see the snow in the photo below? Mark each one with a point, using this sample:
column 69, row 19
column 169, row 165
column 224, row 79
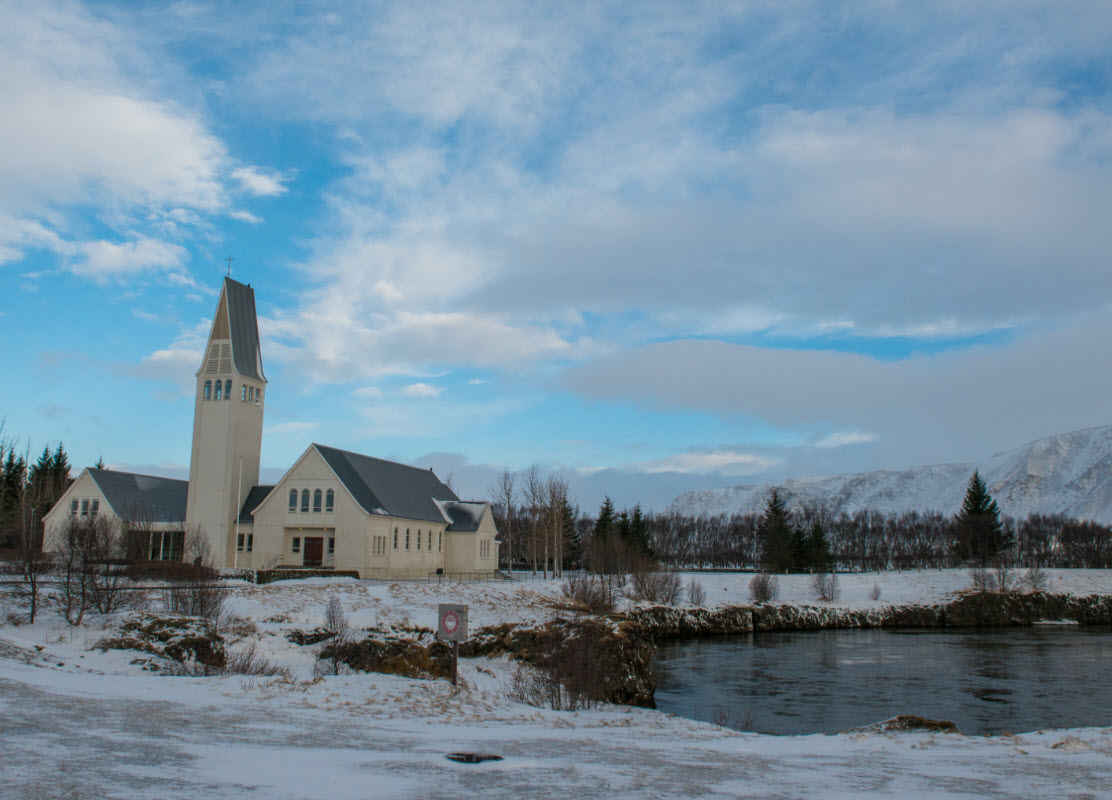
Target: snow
column 1067, row 474
column 75, row 722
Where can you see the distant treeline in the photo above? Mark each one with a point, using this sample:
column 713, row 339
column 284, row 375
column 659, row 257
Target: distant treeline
column 870, row 540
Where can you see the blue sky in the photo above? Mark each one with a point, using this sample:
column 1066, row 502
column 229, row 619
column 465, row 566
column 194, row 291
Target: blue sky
column 654, row 246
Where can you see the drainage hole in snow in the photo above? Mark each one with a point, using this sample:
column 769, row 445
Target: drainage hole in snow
column 472, row 758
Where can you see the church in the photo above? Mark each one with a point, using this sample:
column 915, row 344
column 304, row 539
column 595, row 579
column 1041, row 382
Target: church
column 333, row 509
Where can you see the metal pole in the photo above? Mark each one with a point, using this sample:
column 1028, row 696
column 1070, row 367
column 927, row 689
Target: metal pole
column 239, row 493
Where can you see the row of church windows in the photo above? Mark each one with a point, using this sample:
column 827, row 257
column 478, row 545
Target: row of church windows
column 439, row 540
column 222, row 390
column 329, row 501
column 86, row 507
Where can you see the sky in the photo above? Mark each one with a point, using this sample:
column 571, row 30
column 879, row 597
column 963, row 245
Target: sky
column 651, row 247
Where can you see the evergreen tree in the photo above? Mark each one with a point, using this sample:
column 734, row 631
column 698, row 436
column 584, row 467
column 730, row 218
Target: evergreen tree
column 817, row 550
column 776, row 534
column 638, row 536
column 605, row 522
column 979, row 536
column 621, row 525
column 100, row 463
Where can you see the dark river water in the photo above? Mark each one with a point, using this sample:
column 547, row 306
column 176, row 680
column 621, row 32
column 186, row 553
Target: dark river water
column 986, row 680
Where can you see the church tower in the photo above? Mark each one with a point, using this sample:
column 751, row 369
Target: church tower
column 227, row 420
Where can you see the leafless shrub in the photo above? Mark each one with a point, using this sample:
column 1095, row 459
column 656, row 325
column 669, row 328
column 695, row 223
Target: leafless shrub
column 874, row 593
column 593, row 593
column 653, row 585
column 696, row 594
column 726, row 717
column 197, row 590
column 825, row 586
column 983, row 580
column 1002, row 569
column 335, row 620
column 245, row 661
column 83, row 550
column 763, row 588
column 1036, row 579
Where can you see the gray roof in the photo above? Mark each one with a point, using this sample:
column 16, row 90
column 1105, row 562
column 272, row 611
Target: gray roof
column 244, row 327
column 254, row 499
column 148, row 498
column 465, row 515
column 387, row 487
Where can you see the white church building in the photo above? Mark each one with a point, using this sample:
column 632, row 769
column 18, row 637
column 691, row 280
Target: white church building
column 332, row 509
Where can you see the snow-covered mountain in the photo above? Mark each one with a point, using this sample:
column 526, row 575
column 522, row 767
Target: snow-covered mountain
column 1067, row 474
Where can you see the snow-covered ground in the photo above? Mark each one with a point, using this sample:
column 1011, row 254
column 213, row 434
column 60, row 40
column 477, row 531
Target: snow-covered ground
column 77, row 723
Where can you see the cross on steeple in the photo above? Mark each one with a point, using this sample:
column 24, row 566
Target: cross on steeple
column 229, row 259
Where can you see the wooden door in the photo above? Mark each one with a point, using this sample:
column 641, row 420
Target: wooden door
column 314, row 551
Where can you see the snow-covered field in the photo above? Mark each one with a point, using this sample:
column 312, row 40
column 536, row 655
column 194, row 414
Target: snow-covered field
column 79, row 723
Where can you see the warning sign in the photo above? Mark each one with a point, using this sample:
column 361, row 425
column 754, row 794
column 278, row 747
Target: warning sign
column 453, row 622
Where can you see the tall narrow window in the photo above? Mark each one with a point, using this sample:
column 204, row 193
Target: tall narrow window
column 418, row 538
column 407, row 538
column 331, row 545
column 329, row 500
column 316, row 501
column 293, row 500
column 208, row 390
column 94, row 509
column 250, row 542
column 219, row 391
column 258, row 395
column 304, row 501
column 243, row 394
column 395, row 538
column 228, row 389
column 239, row 541
column 440, row 542
column 73, row 508
column 297, row 544
column 251, row 395
column 85, row 508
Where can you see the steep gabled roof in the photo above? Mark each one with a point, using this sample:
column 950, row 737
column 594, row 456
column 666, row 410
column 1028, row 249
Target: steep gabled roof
column 254, row 499
column 463, row 515
column 388, row 488
column 146, row 498
column 244, row 328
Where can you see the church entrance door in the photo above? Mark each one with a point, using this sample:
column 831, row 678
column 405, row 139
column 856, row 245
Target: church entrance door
column 314, row 551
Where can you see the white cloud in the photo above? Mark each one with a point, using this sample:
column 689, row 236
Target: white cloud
column 845, row 438
column 726, row 461
column 421, row 390
column 104, row 260
column 260, row 182
column 244, row 216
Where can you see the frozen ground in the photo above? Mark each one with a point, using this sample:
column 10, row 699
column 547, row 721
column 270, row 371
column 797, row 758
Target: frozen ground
column 78, row 723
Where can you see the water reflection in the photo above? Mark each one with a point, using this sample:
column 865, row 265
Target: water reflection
column 986, row 680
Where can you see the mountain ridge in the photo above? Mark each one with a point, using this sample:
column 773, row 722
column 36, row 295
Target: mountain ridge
column 1069, row 473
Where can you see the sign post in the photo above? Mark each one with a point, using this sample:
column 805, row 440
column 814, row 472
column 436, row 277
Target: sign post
column 452, row 627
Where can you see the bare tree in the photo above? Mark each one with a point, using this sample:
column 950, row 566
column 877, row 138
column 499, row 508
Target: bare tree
column 196, row 588
column 33, row 564
column 504, row 492
column 535, row 497
column 556, row 491
column 335, row 620
column 763, row 587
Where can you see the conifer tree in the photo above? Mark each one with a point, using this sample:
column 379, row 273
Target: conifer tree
column 605, row 522
column 776, row 534
column 979, row 535
column 638, row 536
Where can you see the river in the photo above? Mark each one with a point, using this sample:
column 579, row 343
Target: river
column 985, row 680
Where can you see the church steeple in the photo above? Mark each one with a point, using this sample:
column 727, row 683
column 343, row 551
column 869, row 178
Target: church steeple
column 227, row 419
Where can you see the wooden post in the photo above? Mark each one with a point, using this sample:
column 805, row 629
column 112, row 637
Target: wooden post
column 455, row 663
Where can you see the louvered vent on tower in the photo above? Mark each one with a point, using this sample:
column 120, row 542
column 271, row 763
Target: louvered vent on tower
column 225, row 357
column 211, row 362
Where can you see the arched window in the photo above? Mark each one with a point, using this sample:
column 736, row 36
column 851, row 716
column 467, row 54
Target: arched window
column 258, row 395
column 316, row 501
column 208, row 390
column 219, row 391
column 329, row 500
column 293, row 500
column 228, row 389
column 243, row 394
column 304, row 501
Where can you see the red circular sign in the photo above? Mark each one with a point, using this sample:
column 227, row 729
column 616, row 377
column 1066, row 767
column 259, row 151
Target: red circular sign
column 451, row 622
